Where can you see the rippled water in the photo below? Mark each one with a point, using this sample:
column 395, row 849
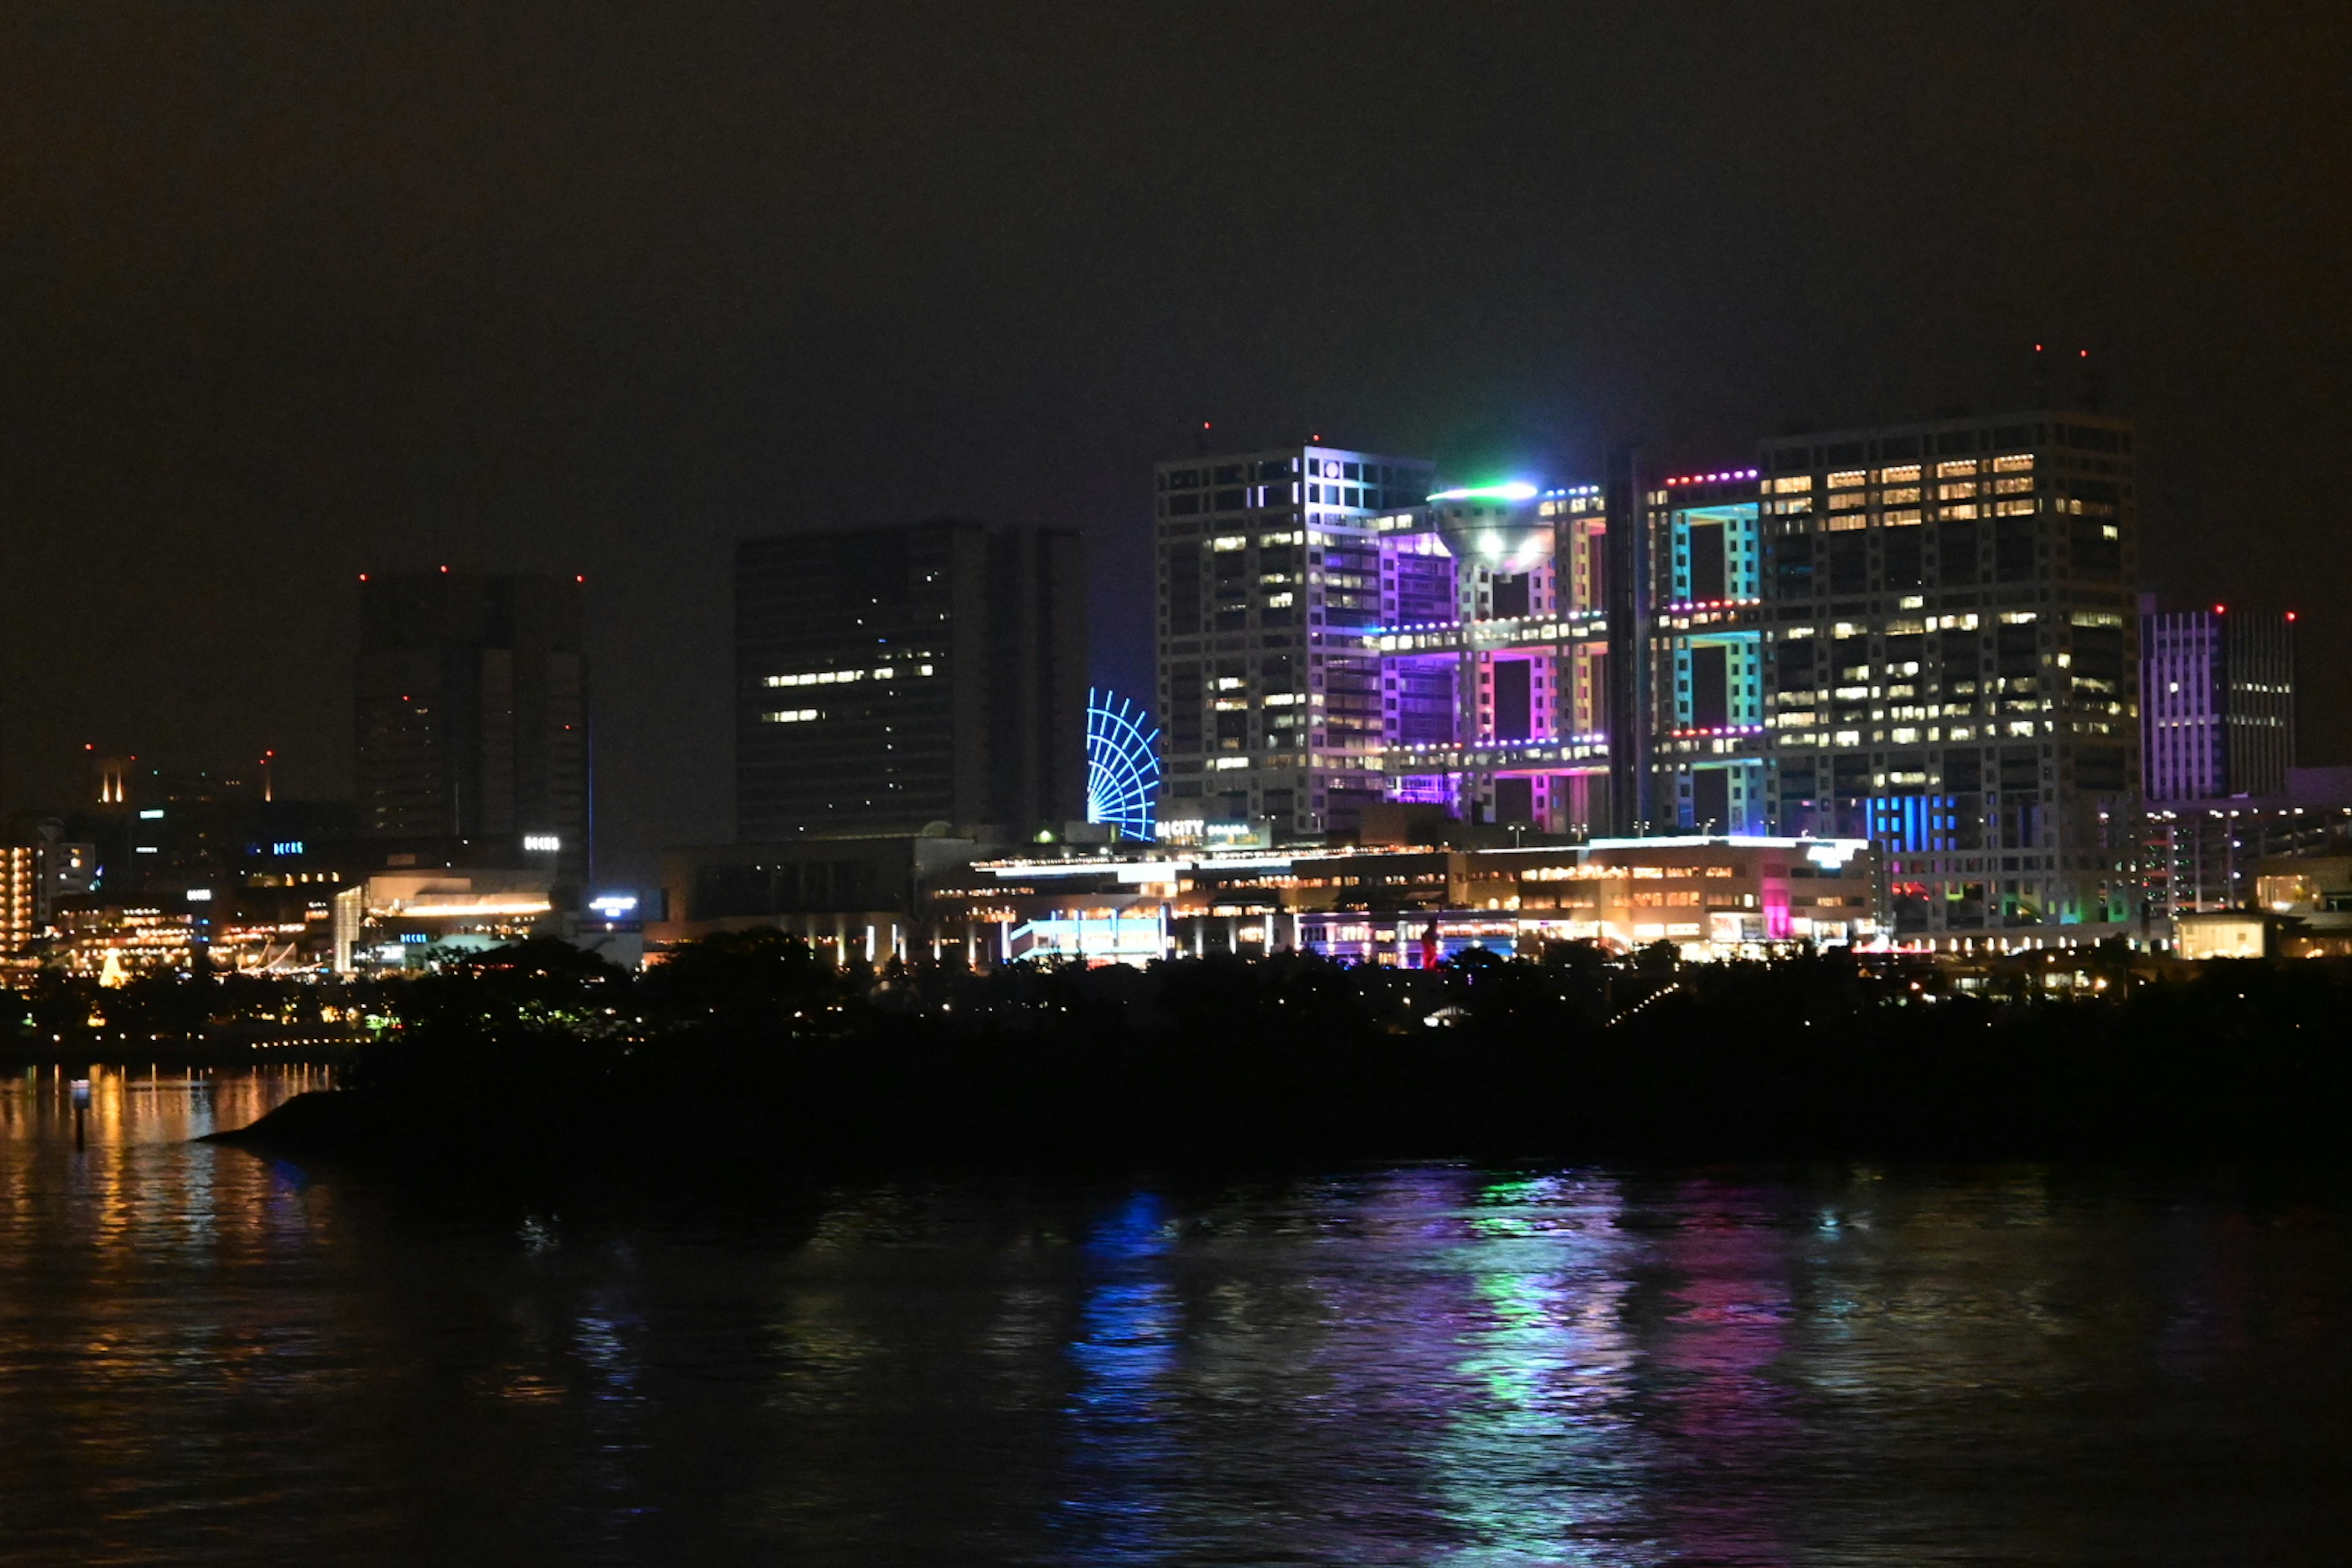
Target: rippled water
column 207, row 1356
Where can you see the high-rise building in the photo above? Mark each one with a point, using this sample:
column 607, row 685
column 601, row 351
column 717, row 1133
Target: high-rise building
column 2217, row 702
column 1494, row 656
column 1269, row 579
column 1945, row 655
column 890, row 678
column 1709, row 765
column 1918, row 634
column 472, row 716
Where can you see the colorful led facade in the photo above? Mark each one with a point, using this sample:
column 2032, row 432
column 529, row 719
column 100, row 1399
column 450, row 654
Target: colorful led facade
column 1709, row 755
column 2217, row 702
column 1491, row 650
column 1917, row 634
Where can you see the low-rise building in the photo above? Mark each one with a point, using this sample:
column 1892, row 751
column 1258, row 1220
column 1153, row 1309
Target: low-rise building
column 403, row 920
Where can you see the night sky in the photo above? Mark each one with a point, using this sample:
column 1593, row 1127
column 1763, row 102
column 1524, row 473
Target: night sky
column 287, row 293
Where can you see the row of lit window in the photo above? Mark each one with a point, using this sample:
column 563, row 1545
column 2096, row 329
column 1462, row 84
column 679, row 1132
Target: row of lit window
column 842, row 677
column 1905, row 735
column 1592, row 873
column 1902, row 473
column 1848, row 512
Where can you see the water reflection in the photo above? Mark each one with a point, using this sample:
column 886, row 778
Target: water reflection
column 1542, row 1450
column 1123, row 1454
column 205, row 1354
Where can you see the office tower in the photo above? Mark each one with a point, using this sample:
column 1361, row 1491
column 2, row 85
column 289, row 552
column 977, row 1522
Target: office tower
column 472, row 716
column 1946, row 659
column 1493, row 655
column 1269, row 578
column 1709, row 767
column 2217, row 702
column 889, row 679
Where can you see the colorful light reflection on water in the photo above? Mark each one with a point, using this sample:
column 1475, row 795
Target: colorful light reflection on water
column 209, row 1356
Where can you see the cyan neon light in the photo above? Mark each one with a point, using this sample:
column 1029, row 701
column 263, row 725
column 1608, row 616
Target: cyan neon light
column 1122, row 765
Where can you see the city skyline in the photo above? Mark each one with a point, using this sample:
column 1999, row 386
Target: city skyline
column 366, row 331
column 1719, row 491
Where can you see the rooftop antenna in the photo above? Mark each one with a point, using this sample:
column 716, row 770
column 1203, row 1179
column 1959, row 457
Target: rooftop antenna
column 2040, row 377
column 2090, row 380
column 1201, row 440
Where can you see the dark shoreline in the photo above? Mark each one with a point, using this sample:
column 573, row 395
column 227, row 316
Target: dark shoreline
column 747, row 1055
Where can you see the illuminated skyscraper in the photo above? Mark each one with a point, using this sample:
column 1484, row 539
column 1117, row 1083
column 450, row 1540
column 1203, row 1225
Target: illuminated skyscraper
column 1918, row 634
column 1269, row 576
column 888, row 678
column 2217, row 702
column 1947, row 655
column 1494, row 652
column 472, row 715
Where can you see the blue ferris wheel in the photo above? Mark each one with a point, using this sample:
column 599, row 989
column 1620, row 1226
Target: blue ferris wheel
column 1122, row 763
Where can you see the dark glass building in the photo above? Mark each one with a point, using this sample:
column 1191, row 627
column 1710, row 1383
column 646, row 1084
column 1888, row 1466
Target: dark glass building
column 890, row 678
column 472, row 716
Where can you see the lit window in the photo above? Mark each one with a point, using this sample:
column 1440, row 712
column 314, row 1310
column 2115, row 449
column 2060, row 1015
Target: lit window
column 792, row 716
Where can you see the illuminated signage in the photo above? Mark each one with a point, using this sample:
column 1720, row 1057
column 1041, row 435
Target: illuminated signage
column 542, row 843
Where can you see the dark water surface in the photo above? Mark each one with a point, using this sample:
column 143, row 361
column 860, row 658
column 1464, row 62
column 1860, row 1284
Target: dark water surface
column 205, row 1356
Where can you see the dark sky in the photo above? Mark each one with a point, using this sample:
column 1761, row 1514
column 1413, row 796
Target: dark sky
column 292, row 293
